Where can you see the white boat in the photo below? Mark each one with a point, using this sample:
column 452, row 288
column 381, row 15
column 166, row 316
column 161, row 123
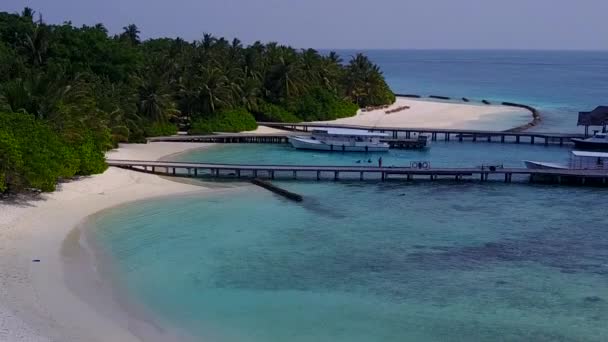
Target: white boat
column 341, row 140
column 579, row 160
column 598, row 142
column 543, row 165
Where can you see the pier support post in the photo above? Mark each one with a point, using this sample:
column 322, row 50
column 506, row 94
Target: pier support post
column 489, row 138
column 271, row 174
column 502, row 139
column 195, row 172
column 153, row 169
column 173, row 171
column 561, row 141
column 532, row 140
column 460, row 137
column 189, row 172
column 447, row 136
column 407, row 134
column 318, row 175
column 238, row 173
column 474, row 137
column 361, row 175
column 517, row 139
column 383, row 176
column 336, row 175
column 295, row 175
column 434, row 136
column 546, row 141
column 255, row 173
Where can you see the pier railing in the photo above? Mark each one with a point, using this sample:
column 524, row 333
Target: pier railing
column 236, row 171
column 394, row 133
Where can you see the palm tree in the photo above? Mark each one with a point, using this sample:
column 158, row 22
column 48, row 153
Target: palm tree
column 28, row 13
column 37, row 44
column 131, row 34
column 213, row 89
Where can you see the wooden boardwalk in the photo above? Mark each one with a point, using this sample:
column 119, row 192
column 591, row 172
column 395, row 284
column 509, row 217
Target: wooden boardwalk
column 395, row 134
column 232, row 171
column 443, row 133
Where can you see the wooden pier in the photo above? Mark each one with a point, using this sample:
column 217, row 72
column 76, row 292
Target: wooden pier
column 237, row 171
column 398, row 137
column 443, row 134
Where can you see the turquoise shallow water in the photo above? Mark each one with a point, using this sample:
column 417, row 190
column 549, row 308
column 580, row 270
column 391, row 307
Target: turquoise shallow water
column 369, row 262
column 387, row 261
column 440, row 154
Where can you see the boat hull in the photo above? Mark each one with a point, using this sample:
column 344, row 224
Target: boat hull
column 590, row 145
column 308, row 144
column 543, row 166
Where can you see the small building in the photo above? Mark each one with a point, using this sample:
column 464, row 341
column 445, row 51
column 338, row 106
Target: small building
column 597, row 117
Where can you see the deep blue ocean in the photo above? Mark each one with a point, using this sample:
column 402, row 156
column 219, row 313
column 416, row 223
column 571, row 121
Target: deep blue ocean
column 392, row 261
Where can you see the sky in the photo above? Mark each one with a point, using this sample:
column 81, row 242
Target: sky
column 344, row 24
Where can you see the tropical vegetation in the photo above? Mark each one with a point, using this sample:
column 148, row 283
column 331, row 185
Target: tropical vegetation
column 68, row 94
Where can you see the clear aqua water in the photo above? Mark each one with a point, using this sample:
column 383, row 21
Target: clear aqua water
column 390, row 261
column 439, row 154
column 370, row 262
column 559, row 83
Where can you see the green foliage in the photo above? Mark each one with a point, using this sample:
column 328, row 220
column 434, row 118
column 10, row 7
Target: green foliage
column 34, row 156
column 233, row 120
column 320, row 104
column 85, row 91
column 273, row 113
column 159, row 129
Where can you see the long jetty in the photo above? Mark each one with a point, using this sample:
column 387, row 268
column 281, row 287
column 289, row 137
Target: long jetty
column 442, row 133
column 395, row 134
column 236, row 171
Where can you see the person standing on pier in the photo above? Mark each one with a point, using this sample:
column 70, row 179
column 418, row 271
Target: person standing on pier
column 380, row 162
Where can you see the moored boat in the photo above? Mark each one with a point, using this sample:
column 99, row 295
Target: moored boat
column 341, row 140
column 579, row 160
column 598, row 142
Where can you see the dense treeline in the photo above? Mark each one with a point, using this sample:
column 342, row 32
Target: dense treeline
column 70, row 93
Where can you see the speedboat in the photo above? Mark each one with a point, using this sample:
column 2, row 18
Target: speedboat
column 599, row 141
column 341, row 140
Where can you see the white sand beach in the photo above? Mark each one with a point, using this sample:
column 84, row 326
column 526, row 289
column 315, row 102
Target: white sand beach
column 437, row 114
column 35, row 301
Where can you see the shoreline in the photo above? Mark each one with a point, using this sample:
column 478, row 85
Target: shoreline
column 408, row 112
column 36, row 303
